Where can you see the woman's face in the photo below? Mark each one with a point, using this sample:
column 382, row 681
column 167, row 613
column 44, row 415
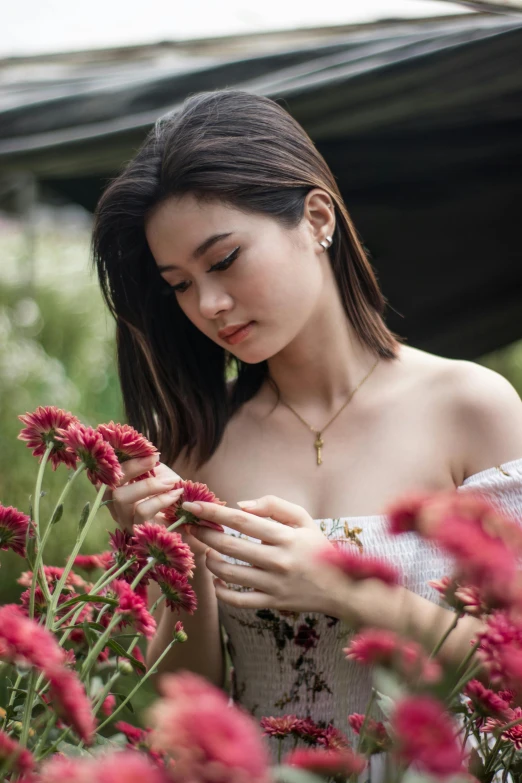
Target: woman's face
column 229, row 268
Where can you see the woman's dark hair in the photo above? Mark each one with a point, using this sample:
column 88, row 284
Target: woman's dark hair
column 247, row 151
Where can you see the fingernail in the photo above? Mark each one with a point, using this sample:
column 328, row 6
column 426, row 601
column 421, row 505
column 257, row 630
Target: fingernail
column 168, row 482
column 195, row 507
column 247, row 503
column 176, row 492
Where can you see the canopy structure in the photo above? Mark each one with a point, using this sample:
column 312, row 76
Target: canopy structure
column 421, row 122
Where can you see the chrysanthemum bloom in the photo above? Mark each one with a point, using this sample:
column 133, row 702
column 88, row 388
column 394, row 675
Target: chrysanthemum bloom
column 176, row 589
column 41, row 429
column 209, row 741
column 128, row 443
column 425, row 735
column 109, row 704
column 465, row 599
column 357, row 566
column 97, row 455
column 485, row 701
column 375, row 736
column 279, row 727
column 13, row 529
column 66, row 769
column 127, row 766
column 514, row 734
column 385, row 648
column 332, row 738
column 52, row 576
column 308, row 731
column 404, row 514
column 326, row 762
column 193, row 492
column 92, row 562
column 23, row 640
column 500, row 650
column 19, row 758
column 132, row 606
column 168, row 548
column 72, row 703
column 121, row 543
column 135, row 736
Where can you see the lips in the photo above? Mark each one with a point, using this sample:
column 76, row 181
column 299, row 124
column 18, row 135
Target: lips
column 230, row 330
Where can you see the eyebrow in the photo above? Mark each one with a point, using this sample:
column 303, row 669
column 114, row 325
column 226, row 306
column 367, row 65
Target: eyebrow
column 199, row 251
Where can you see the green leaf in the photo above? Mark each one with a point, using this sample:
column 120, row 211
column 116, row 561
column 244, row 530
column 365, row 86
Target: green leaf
column 122, row 652
column 93, row 626
column 387, row 684
column 121, row 697
column 84, row 516
column 92, row 599
column 91, row 640
column 57, row 515
column 72, row 750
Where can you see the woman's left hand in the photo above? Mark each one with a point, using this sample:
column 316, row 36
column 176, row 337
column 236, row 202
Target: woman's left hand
column 285, row 574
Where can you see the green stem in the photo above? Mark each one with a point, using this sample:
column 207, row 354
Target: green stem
column 43, row 738
column 36, row 520
column 463, row 664
column 104, row 580
column 63, row 736
column 12, row 697
column 147, row 567
column 365, row 721
column 28, row 709
column 137, row 686
column 493, row 754
column 98, row 647
column 469, row 675
column 443, row 638
column 70, row 562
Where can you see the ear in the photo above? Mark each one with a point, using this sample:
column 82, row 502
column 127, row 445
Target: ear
column 319, row 213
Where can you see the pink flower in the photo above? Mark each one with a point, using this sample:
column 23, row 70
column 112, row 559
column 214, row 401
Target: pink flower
column 23, row 640
column 357, row 566
column 332, row 738
column 308, row 731
column 127, row 442
column 176, row 588
column 41, row 429
column 375, row 736
column 13, row 529
column 73, row 704
column 131, row 605
column 326, row 762
column 209, row 741
column 485, row 701
column 96, row 454
column 122, row 544
column 66, row 770
column 109, row 704
column 404, row 514
column 134, row 735
column 279, row 727
column 19, row 758
column 514, row 734
column 500, row 650
column 126, row 766
column 465, row 599
column 91, row 562
column 168, row 548
column 52, row 576
column 385, row 648
column 193, row 492
column 426, row 736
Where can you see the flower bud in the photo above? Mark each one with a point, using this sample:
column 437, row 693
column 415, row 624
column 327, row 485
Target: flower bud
column 124, row 667
column 179, row 632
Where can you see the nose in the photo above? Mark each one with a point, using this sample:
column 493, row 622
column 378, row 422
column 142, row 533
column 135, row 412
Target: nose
column 213, row 300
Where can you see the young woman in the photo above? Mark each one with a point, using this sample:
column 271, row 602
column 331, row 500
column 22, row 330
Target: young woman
column 252, row 350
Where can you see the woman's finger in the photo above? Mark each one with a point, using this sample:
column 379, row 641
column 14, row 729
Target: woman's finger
column 264, row 529
column 238, row 574
column 285, row 512
column 138, row 491
column 132, row 468
column 148, row 509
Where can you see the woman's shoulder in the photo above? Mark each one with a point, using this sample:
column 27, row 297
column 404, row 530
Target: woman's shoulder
column 483, row 412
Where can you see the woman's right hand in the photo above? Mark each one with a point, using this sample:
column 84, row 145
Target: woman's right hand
column 143, row 501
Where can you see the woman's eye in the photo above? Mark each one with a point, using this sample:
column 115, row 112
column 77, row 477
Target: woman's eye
column 219, row 267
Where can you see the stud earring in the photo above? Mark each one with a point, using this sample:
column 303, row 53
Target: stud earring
column 326, row 243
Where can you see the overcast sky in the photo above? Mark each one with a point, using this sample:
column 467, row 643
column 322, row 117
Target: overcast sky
column 35, row 26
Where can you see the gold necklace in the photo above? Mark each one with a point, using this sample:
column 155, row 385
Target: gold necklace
column 319, row 442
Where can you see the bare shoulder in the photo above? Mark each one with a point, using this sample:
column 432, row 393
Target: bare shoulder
column 483, row 411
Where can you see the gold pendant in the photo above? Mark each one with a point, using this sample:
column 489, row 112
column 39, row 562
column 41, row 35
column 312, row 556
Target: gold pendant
column 319, row 443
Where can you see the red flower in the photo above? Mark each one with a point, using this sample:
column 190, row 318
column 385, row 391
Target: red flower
column 386, row 648
column 52, row 576
column 168, row 548
column 126, row 766
column 128, row 443
column 91, row 562
column 426, row 736
column 404, row 513
column 133, row 606
column 108, row 705
column 514, row 734
column 134, row 735
column 500, row 650
column 357, row 566
column 332, row 738
column 193, row 493
column 178, row 592
column 96, row 454
column 19, row 758
column 464, row 598
column 279, row 727
column 374, row 731
column 484, row 701
column 308, row 731
column 69, row 770
column 306, row 636
column 41, row 429
column 208, row 740
column 24, row 640
column 13, row 529
column 326, row 762
column 73, row 704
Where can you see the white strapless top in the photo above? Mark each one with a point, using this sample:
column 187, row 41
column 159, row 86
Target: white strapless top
column 294, row 663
